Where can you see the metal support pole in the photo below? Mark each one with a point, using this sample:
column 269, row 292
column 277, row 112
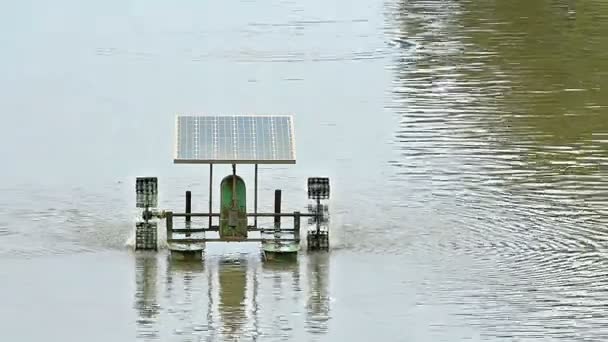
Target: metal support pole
column 169, row 224
column 255, row 198
column 210, row 194
column 296, row 225
column 188, row 205
column 188, row 210
column 233, row 186
column 277, row 209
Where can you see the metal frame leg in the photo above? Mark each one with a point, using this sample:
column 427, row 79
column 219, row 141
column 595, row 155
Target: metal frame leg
column 210, row 195
column 255, row 198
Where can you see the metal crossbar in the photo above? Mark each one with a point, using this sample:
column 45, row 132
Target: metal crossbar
column 192, row 241
column 248, row 215
column 277, row 230
column 203, row 230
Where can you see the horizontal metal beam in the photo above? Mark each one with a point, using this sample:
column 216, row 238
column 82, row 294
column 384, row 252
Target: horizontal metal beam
column 195, row 215
column 186, row 241
column 248, row 215
column 195, row 230
column 215, row 229
column 280, row 215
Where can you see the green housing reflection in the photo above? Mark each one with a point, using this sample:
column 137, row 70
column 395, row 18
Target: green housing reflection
column 232, row 279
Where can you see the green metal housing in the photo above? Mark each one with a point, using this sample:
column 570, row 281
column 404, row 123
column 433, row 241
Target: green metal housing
column 233, row 209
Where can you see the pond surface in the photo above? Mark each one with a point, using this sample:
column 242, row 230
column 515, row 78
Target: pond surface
column 466, row 141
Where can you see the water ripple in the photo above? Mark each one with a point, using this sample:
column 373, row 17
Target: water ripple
column 509, row 159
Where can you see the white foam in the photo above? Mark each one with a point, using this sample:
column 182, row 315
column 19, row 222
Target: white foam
column 161, row 236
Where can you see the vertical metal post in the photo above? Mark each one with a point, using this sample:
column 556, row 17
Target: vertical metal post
column 188, row 205
column 188, row 210
column 169, row 224
column 233, row 186
column 277, row 209
column 210, row 194
column 255, row 198
column 296, row 226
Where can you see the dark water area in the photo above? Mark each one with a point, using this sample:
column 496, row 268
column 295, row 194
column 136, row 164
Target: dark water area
column 467, row 143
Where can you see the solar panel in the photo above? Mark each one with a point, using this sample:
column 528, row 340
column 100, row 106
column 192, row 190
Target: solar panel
column 234, row 140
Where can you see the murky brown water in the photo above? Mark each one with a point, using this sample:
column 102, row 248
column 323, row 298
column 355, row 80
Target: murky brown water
column 467, row 143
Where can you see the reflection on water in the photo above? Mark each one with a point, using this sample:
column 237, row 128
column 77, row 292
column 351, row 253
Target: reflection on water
column 284, row 273
column 232, row 281
column 317, row 304
column 228, row 299
column 146, row 293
